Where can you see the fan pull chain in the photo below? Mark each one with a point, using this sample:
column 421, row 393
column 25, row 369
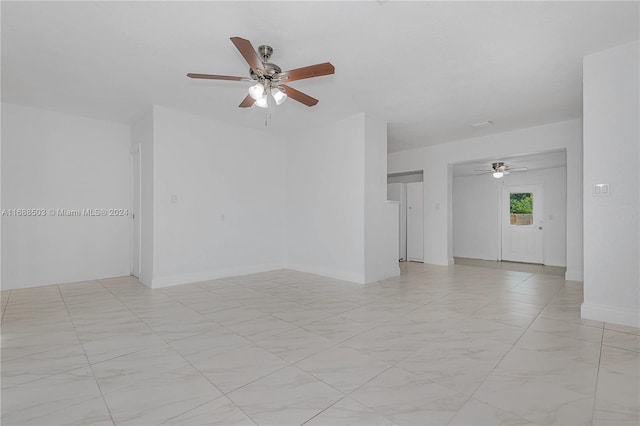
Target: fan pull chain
column 267, row 115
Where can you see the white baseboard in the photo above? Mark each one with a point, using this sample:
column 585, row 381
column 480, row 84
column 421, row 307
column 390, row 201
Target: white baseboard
column 610, row 314
column 451, row 261
column 193, row 277
column 393, row 272
column 440, row 261
column 338, row 274
column 71, row 279
column 571, row 275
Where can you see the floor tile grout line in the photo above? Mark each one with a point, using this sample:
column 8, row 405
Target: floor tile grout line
column 181, row 303
column 230, row 329
column 349, row 395
column 87, row 357
column 205, row 403
column 277, row 371
column 44, row 376
column 6, row 304
column 620, row 331
column 471, row 398
column 320, row 412
column 194, row 408
column 509, row 351
column 288, row 300
column 289, row 364
column 619, row 348
column 595, row 391
column 186, row 360
column 555, row 299
column 367, row 382
column 513, row 345
column 222, row 325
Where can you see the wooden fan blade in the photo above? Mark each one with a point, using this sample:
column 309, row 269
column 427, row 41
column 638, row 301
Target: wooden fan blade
column 482, row 170
column 247, row 102
column 218, row 77
column 307, row 72
column 298, row 95
column 517, row 169
column 249, row 54
column 485, row 173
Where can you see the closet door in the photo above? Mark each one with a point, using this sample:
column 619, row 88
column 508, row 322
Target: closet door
column 398, row 192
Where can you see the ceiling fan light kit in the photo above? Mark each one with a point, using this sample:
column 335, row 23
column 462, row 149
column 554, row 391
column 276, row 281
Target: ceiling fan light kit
column 278, row 95
column 256, row 91
column 269, row 78
column 499, row 169
column 262, row 101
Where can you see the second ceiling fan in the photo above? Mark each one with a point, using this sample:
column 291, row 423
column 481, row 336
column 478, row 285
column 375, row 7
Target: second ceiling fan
column 269, row 77
column 499, row 169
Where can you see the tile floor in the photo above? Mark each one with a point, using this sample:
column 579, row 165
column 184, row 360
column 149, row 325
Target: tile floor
column 458, row 345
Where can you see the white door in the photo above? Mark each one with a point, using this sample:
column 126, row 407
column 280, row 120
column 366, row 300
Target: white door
column 522, row 223
column 415, row 222
column 135, row 213
column 398, row 192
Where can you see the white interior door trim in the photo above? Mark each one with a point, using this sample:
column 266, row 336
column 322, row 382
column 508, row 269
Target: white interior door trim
column 523, row 243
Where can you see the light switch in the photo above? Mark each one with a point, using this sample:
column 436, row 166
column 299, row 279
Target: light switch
column 174, row 199
column 601, row 190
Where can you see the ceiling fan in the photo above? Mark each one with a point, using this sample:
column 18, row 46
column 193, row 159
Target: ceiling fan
column 499, row 169
column 269, row 77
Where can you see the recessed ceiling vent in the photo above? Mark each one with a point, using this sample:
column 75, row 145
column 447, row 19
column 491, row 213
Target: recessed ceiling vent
column 482, row 124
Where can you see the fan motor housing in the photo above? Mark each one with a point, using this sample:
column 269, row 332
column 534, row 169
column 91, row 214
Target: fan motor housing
column 271, row 70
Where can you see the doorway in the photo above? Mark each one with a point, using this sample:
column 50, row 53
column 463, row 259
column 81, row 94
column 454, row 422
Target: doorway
column 522, row 214
column 407, row 189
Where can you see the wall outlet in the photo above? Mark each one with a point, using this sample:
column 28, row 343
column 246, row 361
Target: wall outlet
column 174, row 199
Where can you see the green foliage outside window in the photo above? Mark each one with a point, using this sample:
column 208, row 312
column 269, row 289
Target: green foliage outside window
column 521, row 203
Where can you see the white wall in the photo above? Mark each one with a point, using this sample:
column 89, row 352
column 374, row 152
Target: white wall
column 325, row 200
column 142, row 139
column 58, row 161
column 476, row 203
column 1, row 204
column 229, row 217
column 436, row 162
column 339, row 223
column 235, row 212
column 405, row 178
column 611, row 152
column 476, row 210
column 380, row 217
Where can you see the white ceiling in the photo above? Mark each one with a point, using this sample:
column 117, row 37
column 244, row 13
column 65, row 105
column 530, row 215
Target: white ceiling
column 543, row 160
column 429, row 68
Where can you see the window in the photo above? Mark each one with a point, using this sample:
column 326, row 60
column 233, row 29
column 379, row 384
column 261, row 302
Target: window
column 521, row 208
